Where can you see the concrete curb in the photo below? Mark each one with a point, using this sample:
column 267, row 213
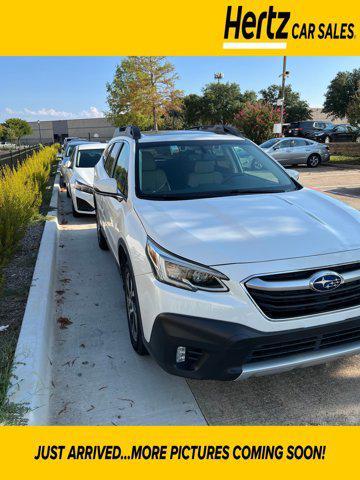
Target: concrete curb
column 32, row 363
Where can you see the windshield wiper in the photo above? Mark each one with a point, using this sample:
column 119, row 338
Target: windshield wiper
column 250, row 192
column 190, row 196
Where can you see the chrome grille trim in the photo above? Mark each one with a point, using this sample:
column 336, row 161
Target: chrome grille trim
column 257, row 283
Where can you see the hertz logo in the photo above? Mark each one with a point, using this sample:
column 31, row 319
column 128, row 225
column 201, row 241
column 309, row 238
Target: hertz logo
column 251, row 27
column 274, row 26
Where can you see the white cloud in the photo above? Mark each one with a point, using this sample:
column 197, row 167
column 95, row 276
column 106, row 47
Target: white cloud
column 10, row 111
column 93, row 112
column 53, row 114
column 49, row 112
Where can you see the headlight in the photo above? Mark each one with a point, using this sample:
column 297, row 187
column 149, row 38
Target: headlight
column 169, row 268
column 83, row 187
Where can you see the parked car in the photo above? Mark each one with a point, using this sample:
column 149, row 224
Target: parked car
column 228, row 271
column 65, row 162
column 338, row 133
column 70, row 139
column 295, row 151
column 306, row 128
column 79, row 177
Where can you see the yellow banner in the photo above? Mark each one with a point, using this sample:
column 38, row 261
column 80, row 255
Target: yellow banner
column 187, row 27
column 209, row 452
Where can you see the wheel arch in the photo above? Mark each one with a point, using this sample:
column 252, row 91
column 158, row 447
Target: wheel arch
column 123, row 253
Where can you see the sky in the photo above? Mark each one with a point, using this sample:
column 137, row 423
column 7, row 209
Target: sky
column 53, row 88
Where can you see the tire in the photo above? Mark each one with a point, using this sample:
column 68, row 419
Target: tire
column 313, row 161
column 67, row 191
column 327, row 140
column 357, row 139
column 133, row 310
column 100, row 235
column 62, row 183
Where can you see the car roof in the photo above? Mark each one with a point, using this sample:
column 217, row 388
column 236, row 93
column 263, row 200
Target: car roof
column 77, row 142
column 181, row 135
column 91, row 145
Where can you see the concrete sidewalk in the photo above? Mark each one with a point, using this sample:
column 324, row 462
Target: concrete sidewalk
column 97, row 377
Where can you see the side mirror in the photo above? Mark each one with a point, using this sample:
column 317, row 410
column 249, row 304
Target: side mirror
column 59, row 156
column 67, row 164
column 106, row 186
column 294, row 174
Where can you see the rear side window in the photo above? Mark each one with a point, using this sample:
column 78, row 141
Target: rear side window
column 299, row 142
column 88, row 158
column 121, row 169
column 111, row 158
column 284, row 144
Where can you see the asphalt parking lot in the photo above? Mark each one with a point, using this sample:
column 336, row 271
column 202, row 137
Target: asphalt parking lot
column 99, row 380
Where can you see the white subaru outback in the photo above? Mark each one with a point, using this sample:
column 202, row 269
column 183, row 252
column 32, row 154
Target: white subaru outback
column 230, row 267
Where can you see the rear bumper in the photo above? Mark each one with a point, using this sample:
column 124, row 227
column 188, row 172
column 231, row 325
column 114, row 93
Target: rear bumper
column 221, row 350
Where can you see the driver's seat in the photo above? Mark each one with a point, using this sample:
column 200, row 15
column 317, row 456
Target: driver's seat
column 204, row 174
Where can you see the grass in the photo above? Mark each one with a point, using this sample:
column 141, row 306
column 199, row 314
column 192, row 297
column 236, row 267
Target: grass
column 345, row 160
column 23, row 192
column 10, row 413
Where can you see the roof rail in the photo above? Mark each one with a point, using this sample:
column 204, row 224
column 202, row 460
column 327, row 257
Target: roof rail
column 219, row 129
column 131, row 131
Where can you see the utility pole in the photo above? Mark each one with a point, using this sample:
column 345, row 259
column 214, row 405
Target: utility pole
column 284, row 74
column 38, row 122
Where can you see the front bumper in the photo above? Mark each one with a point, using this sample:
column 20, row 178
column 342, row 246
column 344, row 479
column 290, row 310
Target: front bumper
column 83, row 202
column 222, row 350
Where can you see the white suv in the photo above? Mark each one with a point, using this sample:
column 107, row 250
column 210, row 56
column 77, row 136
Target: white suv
column 229, row 270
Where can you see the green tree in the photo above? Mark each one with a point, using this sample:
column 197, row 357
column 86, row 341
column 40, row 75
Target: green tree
column 2, row 133
column 295, row 108
column 256, row 120
column 142, row 92
column 340, row 92
column 192, row 110
column 16, row 128
column 221, row 102
column 353, row 110
column 249, row 96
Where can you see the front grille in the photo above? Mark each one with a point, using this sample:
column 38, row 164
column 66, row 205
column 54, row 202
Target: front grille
column 281, row 304
column 83, row 205
column 313, row 343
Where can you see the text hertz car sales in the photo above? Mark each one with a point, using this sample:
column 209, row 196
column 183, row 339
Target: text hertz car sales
column 275, row 24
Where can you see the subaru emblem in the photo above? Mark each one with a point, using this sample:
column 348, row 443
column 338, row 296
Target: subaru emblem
column 325, row 281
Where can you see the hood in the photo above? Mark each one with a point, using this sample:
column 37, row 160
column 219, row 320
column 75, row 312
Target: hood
column 85, row 175
column 251, row 228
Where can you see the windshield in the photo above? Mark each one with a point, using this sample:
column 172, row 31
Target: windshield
column 269, row 143
column 88, row 158
column 195, row 169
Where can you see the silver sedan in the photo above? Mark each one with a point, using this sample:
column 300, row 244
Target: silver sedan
column 295, row 151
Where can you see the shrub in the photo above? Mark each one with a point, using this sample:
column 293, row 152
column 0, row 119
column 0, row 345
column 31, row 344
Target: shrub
column 256, row 120
column 21, row 191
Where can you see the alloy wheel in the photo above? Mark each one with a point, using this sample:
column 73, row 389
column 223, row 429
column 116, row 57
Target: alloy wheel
column 131, row 306
column 314, row 161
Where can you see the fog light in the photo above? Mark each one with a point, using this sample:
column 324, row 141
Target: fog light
column 180, row 354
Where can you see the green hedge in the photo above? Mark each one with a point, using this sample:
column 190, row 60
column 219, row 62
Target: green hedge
column 21, row 191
